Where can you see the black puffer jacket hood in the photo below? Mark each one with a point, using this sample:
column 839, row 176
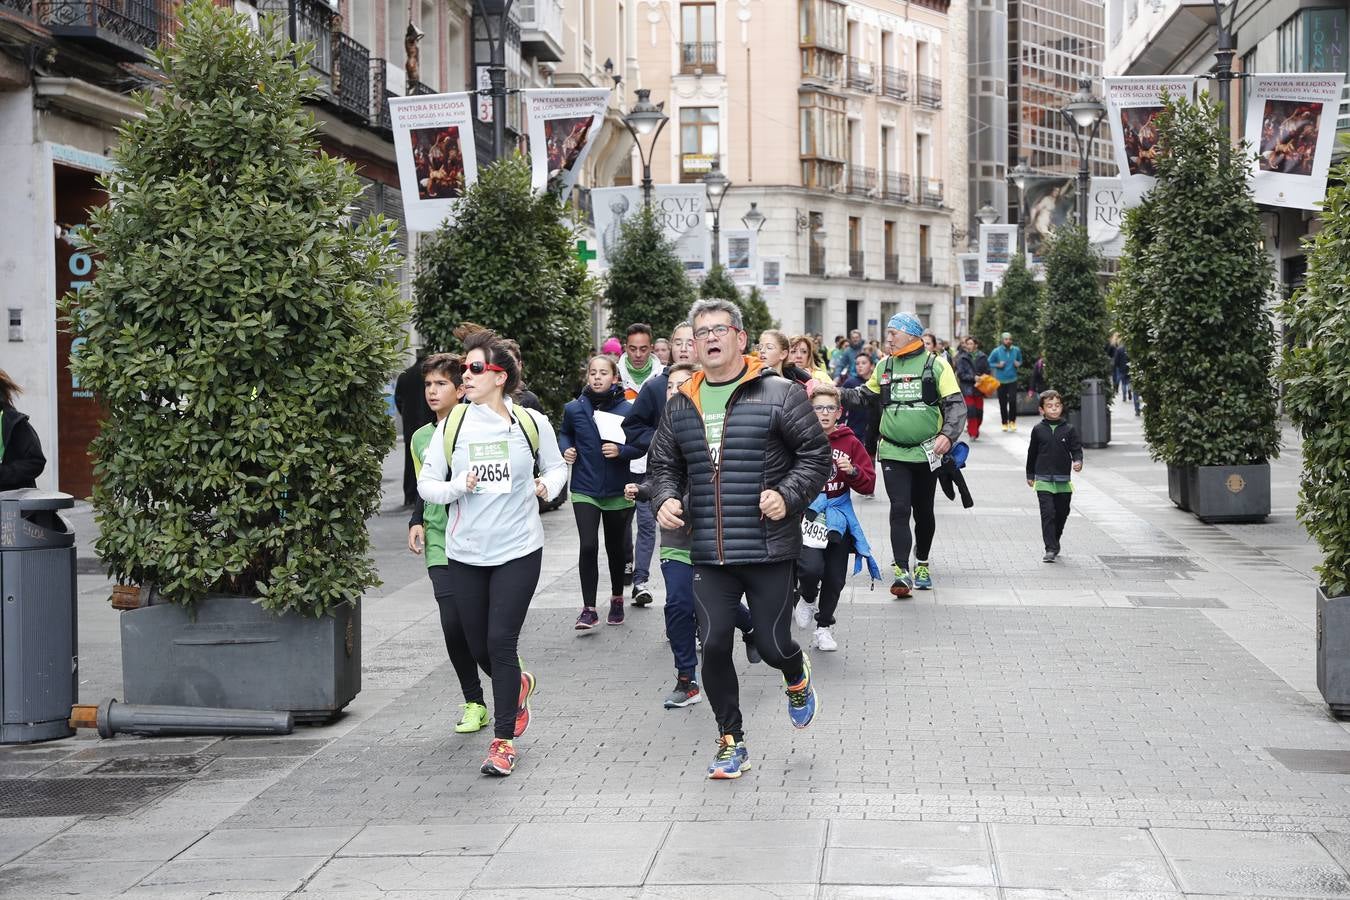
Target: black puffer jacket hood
column 770, row 439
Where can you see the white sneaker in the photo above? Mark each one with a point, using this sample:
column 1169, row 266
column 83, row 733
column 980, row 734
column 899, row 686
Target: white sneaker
column 824, row 641
column 804, row 613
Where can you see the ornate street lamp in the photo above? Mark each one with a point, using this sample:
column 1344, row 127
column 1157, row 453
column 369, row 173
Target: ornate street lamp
column 987, row 214
column 716, row 184
column 754, row 219
column 1019, row 176
column 1084, row 114
column 646, row 118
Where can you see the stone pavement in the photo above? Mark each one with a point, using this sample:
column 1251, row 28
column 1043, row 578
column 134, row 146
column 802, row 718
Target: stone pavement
column 1138, row 720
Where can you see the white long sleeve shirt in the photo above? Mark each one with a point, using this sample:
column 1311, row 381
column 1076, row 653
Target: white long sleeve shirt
column 488, row 529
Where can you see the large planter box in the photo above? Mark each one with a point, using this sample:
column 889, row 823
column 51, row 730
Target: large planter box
column 1333, row 652
column 1229, row 494
column 230, row 652
column 1178, row 487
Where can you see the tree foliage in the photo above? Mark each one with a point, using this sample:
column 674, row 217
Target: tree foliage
column 754, row 310
column 1019, row 301
column 1202, row 280
column 988, row 323
column 1073, row 317
column 647, row 280
column 239, row 336
column 509, row 262
column 756, row 313
column 1315, row 371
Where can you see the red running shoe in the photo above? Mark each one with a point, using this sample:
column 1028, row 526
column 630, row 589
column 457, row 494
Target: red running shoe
column 501, row 758
column 527, row 685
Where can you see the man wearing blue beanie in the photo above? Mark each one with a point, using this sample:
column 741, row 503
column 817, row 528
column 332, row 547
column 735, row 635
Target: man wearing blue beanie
column 922, row 415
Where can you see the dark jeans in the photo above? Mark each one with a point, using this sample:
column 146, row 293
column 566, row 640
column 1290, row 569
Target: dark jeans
column 1007, row 401
column 823, row 572
column 717, row 596
column 456, row 644
column 911, row 487
column 1054, row 513
column 492, row 602
column 681, row 623
column 589, row 519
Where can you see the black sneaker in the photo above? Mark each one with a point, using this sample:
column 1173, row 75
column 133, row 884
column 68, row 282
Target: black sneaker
column 615, row 612
column 751, row 651
column 588, row 619
column 685, row 693
column 641, row 595
column 1049, row 556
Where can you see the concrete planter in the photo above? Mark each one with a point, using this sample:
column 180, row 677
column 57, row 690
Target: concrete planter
column 1229, row 494
column 1333, row 652
column 229, row 652
column 1178, row 487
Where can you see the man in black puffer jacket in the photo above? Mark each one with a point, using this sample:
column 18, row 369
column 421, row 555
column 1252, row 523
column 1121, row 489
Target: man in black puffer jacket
column 745, row 444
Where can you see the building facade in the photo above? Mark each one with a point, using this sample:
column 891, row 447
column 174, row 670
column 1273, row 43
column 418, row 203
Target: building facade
column 839, row 120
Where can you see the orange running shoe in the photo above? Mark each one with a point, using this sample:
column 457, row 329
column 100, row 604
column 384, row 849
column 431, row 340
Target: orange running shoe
column 501, row 758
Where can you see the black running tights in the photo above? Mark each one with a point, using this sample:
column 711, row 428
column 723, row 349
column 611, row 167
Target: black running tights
column 456, row 645
column 589, row 520
column 910, row 487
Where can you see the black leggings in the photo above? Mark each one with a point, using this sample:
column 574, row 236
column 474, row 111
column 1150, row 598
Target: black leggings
column 767, row 587
column 492, row 602
column 823, row 571
column 456, row 644
column 589, row 518
column 1007, row 401
column 911, row 487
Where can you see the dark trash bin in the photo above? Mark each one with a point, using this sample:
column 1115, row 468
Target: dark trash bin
column 39, row 665
column 1094, row 427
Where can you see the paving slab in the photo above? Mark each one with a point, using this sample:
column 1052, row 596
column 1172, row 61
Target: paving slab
column 394, row 873
column 730, row 864
column 1072, row 839
column 1253, row 846
column 48, row 879
column 907, row 867
column 881, row 835
column 426, row 840
column 1237, row 876
column 574, row 868
column 1082, row 871
column 265, row 874
column 151, row 846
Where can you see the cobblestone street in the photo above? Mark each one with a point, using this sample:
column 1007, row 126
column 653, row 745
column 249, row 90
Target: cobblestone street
column 1139, row 719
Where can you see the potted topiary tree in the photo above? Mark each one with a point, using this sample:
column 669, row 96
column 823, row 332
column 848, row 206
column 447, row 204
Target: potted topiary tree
column 239, row 336
column 647, row 281
column 1203, row 280
column 1315, row 372
column 509, row 260
column 1019, row 300
column 1073, row 331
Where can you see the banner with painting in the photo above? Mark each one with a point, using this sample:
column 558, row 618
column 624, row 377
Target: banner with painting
column 563, row 125
column 1291, row 123
column 1106, row 211
column 1050, row 203
column 1133, row 106
column 679, row 212
column 998, row 243
column 968, row 264
column 740, row 256
column 437, row 158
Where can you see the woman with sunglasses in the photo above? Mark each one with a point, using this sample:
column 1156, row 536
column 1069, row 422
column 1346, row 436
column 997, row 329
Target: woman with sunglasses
column 599, row 473
column 494, row 540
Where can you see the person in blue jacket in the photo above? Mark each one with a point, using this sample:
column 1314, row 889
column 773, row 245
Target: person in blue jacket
column 600, row 469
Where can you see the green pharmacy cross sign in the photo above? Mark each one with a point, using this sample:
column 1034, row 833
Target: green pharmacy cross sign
column 585, row 253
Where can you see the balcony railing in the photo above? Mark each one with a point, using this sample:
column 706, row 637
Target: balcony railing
column 895, row 186
column 379, row 95
column 930, row 92
column 1343, row 118
column 124, row 29
column 21, row 6
column 856, row 264
column 892, row 267
column 351, row 78
column 926, row 270
column 862, row 75
column 931, row 189
column 313, row 25
column 817, row 259
column 417, row 89
column 541, row 29
column 698, row 58
column 894, row 83
column 861, row 180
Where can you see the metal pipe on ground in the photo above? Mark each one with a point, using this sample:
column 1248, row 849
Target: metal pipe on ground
column 111, row 717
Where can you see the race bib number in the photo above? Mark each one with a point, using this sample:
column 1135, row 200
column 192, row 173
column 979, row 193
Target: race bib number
column 814, row 532
column 490, row 462
column 934, row 461
column 713, row 428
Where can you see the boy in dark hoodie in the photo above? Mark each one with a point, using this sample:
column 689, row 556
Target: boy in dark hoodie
column 1054, row 449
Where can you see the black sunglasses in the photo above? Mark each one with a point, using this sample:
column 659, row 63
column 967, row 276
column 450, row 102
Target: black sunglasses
column 478, row 367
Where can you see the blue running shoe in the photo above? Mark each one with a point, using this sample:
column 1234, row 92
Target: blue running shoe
column 923, row 579
column 731, row 760
column 802, row 700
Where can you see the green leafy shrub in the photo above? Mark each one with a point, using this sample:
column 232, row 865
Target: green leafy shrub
column 1198, row 302
column 755, row 312
column 987, row 323
column 509, row 262
column 647, row 281
column 1130, row 305
column 239, row 335
column 1073, row 317
column 1019, row 301
column 1315, row 371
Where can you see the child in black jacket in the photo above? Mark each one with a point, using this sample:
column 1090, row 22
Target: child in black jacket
column 1055, row 449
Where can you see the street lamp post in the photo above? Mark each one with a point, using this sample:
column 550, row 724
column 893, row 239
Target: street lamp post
column 1019, row 177
column 754, row 219
column 1223, row 73
column 987, row 216
column 716, row 184
column 1084, row 113
column 496, row 67
column 643, row 119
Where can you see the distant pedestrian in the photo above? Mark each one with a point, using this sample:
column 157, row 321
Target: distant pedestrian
column 863, row 420
column 612, row 347
column 637, row 366
column 661, row 350
column 970, row 365
column 1005, row 361
column 773, row 352
column 411, row 402
column 21, row 459
column 1054, row 453
column 802, row 354
column 1120, row 372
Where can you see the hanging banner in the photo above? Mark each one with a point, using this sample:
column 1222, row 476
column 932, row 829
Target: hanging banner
column 1106, row 212
column 563, row 125
column 1133, row 105
column 968, row 264
column 771, row 275
column 1050, row 203
column 998, row 243
column 679, row 212
column 1291, row 121
column 740, row 256
column 437, row 158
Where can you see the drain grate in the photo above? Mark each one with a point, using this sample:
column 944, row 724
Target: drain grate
column 1166, row 601
column 152, row 765
column 44, row 797
column 1317, row 762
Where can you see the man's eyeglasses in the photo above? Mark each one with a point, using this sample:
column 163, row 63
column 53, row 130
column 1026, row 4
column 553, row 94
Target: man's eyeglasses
column 702, row 334
column 478, row 367
column 825, row 409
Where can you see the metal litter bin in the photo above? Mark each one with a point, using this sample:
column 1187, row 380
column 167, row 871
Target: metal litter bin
column 39, row 665
column 1095, row 417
